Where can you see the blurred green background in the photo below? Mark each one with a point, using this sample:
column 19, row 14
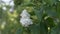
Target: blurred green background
column 44, row 13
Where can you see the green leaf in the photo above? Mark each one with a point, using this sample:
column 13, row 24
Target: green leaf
column 55, row 30
column 35, row 29
column 51, row 11
column 39, row 13
column 19, row 31
column 43, row 28
column 51, row 2
column 58, row 9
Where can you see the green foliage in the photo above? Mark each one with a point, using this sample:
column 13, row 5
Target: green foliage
column 44, row 13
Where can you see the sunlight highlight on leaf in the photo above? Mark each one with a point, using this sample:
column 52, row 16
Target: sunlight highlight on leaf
column 3, row 25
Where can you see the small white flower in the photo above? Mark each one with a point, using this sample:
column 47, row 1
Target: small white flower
column 25, row 14
column 12, row 3
column 4, row 8
column 26, row 22
column 6, row 1
column 11, row 9
column 25, row 18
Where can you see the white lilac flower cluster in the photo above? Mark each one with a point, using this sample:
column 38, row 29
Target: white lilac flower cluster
column 25, row 18
column 8, row 3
